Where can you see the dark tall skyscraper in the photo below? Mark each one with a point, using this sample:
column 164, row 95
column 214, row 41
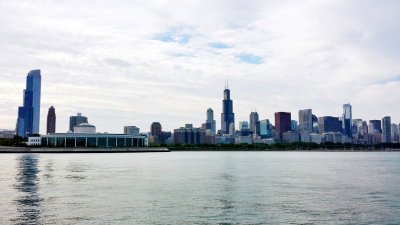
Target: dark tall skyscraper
column 28, row 121
column 227, row 115
column 347, row 120
column 283, row 123
column 76, row 120
column 156, row 132
column 210, row 122
column 386, row 129
column 51, row 121
column 375, row 127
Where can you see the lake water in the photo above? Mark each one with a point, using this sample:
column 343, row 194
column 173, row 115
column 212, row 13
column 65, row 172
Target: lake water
column 201, row 188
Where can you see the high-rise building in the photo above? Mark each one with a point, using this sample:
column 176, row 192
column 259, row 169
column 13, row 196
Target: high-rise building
column 210, row 121
column 227, row 115
column 254, row 123
column 347, row 120
column 189, row 135
column 265, row 128
column 156, row 132
column 386, row 129
column 294, row 125
column 282, row 123
column 315, row 124
column 51, row 121
column 305, row 124
column 133, row 130
column 329, row 124
column 28, row 121
column 76, row 120
column 374, row 127
column 395, row 133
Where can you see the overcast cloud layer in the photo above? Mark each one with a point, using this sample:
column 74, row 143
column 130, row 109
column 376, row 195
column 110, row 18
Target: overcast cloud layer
column 135, row 62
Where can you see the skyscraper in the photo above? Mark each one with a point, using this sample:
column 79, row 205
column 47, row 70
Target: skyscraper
column 329, row 124
column 374, row 127
column 347, row 120
column 227, row 115
column 76, row 120
column 386, row 129
column 28, row 121
column 305, row 124
column 395, row 133
column 265, row 128
column 210, row 120
column 51, row 121
column 254, row 123
column 156, row 132
column 282, row 123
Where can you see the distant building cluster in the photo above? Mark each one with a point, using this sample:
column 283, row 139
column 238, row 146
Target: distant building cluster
column 308, row 128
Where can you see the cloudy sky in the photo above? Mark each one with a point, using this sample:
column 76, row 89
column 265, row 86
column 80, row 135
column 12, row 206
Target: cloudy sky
column 135, row 62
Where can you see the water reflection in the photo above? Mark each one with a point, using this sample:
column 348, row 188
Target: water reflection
column 27, row 184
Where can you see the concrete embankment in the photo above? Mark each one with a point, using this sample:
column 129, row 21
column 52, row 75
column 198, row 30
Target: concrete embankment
column 79, row 150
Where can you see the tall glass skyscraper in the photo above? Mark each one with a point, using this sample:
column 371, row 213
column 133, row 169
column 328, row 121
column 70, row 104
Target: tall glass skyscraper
column 227, row 115
column 347, row 120
column 28, row 121
column 210, row 120
column 386, row 129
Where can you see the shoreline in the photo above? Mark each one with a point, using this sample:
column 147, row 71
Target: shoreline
column 80, row 150
column 5, row 149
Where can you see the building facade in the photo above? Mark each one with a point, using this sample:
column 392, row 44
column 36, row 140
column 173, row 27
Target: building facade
column 76, row 120
column 347, row 120
column 329, row 124
column 265, row 129
column 386, row 129
column 51, row 121
column 156, row 132
column 374, row 127
column 132, row 130
column 73, row 140
column 28, row 121
column 210, row 122
column 189, row 135
column 254, row 123
column 227, row 115
column 305, row 124
column 282, row 123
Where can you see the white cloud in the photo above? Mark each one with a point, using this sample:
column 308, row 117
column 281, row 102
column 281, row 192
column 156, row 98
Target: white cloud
column 104, row 59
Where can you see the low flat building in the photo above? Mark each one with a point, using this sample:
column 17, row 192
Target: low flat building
column 101, row 140
column 290, row 137
column 316, row 138
column 7, row 134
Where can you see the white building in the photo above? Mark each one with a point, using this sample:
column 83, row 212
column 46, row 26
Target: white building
column 85, row 128
column 34, row 141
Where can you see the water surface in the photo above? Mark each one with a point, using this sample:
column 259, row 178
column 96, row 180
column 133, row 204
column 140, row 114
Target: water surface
column 201, row 188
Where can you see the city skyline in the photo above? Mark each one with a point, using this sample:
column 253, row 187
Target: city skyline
column 304, row 121
column 277, row 57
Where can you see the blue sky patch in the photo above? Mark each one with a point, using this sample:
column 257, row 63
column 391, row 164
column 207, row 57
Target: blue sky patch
column 219, row 45
column 173, row 35
column 249, row 58
column 182, row 55
column 393, row 79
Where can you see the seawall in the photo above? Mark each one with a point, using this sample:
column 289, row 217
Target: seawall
column 80, row 150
